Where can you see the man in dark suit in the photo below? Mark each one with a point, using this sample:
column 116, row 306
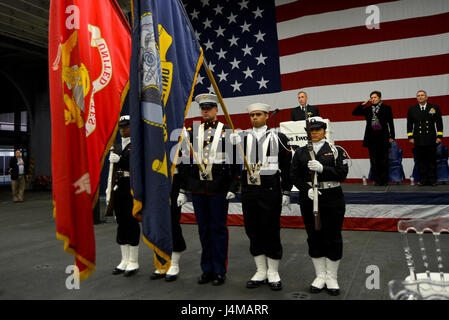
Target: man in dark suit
column 298, row 113
column 18, row 169
column 379, row 133
column 422, row 119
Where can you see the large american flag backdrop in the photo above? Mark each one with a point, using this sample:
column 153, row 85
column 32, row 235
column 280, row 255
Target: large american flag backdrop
column 336, row 51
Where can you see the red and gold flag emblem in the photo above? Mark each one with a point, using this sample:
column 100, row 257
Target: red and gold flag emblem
column 89, row 51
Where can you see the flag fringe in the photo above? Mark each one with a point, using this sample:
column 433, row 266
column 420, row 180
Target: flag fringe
column 90, row 265
column 162, row 268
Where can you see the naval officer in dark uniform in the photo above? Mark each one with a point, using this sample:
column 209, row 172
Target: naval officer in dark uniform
column 425, row 131
column 264, row 194
column 298, row 113
column 325, row 245
column 211, row 189
column 128, row 229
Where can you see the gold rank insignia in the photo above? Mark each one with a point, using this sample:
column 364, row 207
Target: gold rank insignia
column 432, row 111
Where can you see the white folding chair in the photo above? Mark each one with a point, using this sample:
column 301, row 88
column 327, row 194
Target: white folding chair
column 425, row 285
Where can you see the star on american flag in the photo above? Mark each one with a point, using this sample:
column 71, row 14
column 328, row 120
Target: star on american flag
column 239, row 40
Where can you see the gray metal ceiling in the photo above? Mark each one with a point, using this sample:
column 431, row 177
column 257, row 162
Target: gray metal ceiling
column 27, row 20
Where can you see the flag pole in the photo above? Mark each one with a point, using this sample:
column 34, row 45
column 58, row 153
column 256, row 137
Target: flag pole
column 217, row 92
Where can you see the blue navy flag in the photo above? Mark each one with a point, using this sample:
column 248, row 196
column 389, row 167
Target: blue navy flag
column 240, row 45
column 164, row 65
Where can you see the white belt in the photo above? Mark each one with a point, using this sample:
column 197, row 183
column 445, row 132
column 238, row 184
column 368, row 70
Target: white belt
column 326, row 184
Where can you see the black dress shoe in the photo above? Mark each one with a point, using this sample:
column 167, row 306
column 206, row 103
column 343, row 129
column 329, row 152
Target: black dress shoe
column 116, row 271
column 333, row 292
column 315, row 289
column 251, row 284
column 129, row 273
column 275, row 285
column 205, row 278
column 219, row 280
column 157, row 276
column 171, row 277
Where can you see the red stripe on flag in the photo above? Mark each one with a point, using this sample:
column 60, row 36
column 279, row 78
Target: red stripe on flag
column 375, row 71
column 349, row 223
column 343, row 111
column 334, row 112
column 393, row 30
column 356, row 151
column 299, row 9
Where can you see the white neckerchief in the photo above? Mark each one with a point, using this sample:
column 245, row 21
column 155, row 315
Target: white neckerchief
column 259, row 132
column 125, row 142
column 317, row 145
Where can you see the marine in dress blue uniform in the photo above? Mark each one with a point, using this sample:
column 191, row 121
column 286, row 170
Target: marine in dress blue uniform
column 211, row 192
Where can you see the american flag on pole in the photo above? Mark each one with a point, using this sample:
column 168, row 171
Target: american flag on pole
column 337, row 51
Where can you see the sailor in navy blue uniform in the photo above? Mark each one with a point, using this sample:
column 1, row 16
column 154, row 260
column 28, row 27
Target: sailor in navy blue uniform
column 326, row 244
column 211, row 188
column 425, row 131
column 264, row 192
column 128, row 229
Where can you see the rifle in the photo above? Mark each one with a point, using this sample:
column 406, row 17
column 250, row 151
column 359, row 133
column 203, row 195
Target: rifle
column 314, row 175
column 111, row 183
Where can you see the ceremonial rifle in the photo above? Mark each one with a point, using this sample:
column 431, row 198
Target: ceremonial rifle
column 111, row 184
column 314, row 174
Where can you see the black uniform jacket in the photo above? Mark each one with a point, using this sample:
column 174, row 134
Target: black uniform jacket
column 123, row 164
column 298, row 114
column 280, row 180
column 225, row 175
column 333, row 169
column 421, row 124
column 385, row 116
column 14, row 168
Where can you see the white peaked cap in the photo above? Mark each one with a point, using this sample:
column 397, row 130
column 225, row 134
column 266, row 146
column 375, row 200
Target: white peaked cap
column 126, row 117
column 206, row 98
column 258, row 107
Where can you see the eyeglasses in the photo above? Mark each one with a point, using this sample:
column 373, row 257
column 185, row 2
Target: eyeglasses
column 256, row 114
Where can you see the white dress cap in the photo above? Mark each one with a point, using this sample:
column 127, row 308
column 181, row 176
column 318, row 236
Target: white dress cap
column 258, row 107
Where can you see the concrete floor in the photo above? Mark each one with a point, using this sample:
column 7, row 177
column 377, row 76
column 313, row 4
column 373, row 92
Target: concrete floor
column 33, row 263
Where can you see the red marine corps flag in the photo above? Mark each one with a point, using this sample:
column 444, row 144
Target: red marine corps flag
column 89, row 49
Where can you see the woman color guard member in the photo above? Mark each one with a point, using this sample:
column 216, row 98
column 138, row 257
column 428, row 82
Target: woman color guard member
column 325, row 244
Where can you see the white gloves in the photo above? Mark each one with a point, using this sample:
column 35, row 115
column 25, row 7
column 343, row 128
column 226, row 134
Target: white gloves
column 286, row 201
column 310, row 193
column 114, row 157
column 235, row 138
column 182, row 198
column 315, row 165
column 230, row 196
